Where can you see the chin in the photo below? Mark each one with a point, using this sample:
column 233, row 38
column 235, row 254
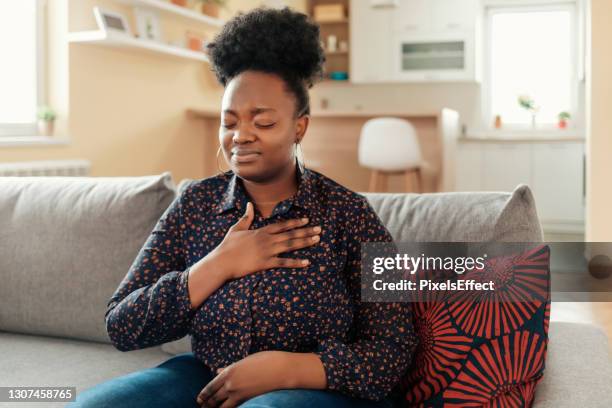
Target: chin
column 249, row 172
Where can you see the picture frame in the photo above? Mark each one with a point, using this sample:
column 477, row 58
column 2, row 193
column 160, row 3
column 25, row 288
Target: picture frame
column 148, row 25
column 111, row 21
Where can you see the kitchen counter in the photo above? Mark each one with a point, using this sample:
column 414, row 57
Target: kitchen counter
column 524, row 136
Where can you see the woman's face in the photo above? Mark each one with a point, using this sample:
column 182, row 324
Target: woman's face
column 258, row 128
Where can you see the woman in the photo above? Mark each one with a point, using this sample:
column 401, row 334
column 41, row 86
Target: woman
column 261, row 264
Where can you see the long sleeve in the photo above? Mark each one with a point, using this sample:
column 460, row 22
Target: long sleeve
column 382, row 340
column 151, row 306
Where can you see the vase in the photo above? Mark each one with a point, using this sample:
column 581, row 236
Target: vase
column 210, row 9
column 45, row 127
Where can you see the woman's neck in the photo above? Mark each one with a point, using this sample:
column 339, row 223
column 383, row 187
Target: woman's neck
column 267, row 194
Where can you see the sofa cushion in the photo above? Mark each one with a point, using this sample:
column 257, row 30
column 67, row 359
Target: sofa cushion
column 49, row 361
column 66, row 244
column 459, row 216
column 578, row 368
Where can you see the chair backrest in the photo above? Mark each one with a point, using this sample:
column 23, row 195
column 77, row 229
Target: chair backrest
column 389, row 144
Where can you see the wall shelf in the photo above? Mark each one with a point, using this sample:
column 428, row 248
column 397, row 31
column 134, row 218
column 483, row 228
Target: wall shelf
column 173, row 9
column 326, row 22
column 336, row 52
column 109, row 39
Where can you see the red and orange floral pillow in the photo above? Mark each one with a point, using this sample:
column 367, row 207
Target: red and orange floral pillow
column 484, row 348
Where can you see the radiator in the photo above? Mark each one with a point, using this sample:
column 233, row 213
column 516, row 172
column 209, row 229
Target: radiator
column 46, row 168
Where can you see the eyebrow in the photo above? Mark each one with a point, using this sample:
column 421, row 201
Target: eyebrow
column 254, row 111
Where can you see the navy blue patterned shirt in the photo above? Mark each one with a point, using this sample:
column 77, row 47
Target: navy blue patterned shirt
column 365, row 347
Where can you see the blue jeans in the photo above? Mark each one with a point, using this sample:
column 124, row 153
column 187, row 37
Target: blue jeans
column 177, row 381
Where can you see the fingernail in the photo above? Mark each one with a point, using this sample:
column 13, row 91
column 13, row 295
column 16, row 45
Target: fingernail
column 304, row 219
column 305, row 262
column 315, row 238
column 317, row 229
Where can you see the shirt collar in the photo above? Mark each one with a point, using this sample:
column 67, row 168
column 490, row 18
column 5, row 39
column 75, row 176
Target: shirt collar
column 235, row 195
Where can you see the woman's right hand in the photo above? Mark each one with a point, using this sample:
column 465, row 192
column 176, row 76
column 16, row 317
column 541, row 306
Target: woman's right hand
column 244, row 251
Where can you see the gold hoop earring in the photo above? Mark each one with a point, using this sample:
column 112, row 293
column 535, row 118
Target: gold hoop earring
column 218, row 167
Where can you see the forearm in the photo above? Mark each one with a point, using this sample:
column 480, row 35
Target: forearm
column 305, row 370
column 205, row 277
column 150, row 315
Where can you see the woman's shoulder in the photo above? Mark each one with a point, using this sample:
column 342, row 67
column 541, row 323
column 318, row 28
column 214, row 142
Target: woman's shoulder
column 203, row 191
column 336, row 193
column 354, row 209
column 190, row 186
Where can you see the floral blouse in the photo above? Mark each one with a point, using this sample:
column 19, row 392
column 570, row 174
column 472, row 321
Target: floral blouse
column 365, row 347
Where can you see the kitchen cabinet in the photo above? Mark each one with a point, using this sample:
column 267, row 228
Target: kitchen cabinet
column 434, row 15
column 557, row 181
column 468, row 167
column 371, row 46
column 411, row 16
column 454, row 15
column 415, row 41
column 505, row 165
column 554, row 171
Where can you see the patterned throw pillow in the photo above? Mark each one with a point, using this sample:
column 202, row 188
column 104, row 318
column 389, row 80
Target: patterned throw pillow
column 484, row 348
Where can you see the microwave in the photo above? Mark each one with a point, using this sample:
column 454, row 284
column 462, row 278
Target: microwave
column 433, row 57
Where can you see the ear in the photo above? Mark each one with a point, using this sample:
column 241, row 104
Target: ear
column 301, row 127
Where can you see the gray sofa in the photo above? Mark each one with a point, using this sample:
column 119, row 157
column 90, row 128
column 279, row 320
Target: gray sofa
column 66, row 243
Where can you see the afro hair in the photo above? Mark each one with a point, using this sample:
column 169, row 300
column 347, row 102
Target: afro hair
column 278, row 41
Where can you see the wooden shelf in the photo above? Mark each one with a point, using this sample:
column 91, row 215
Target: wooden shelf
column 333, row 82
column 339, row 27
column 109, row 39
column 336, row 52
column 343, row 21
column 173, row 9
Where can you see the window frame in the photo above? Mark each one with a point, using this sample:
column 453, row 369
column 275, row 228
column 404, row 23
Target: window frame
column 493, row 7
column 31, row 129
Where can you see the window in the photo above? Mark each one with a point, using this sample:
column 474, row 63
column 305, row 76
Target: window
column 531, row 52
column 21, row 77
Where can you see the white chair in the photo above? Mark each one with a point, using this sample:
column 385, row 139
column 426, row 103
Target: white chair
column 390, row 145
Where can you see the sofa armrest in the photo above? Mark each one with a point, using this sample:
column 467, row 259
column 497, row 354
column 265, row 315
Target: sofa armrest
column 578, row 368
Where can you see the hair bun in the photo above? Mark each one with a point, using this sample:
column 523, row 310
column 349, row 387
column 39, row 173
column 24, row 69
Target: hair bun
column 279, row 41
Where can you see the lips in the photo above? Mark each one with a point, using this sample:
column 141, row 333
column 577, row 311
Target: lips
column 244, row 155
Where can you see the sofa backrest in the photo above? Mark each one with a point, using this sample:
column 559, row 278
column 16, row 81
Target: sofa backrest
column 460, row 216
column 66, row 243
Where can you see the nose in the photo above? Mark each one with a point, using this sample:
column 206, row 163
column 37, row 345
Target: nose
column 243, row 135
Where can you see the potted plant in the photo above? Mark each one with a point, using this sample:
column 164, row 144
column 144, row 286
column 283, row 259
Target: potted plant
column 211, row 7
column 563, row 118
column 46, row 119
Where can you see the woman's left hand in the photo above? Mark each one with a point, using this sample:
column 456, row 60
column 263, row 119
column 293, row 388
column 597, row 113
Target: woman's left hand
column 255, row 374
